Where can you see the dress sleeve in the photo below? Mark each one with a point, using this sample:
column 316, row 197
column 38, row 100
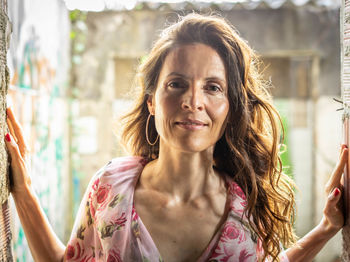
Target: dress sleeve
column 84, row 242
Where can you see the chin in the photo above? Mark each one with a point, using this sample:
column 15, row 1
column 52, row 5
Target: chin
column 195, row 148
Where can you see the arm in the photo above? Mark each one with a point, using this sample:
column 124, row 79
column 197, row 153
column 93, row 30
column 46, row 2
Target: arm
column 308, row 247
column 332, row 221
column 43, row 242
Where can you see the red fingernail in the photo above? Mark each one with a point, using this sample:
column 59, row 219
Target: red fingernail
column 8, row 138
column 336, row 192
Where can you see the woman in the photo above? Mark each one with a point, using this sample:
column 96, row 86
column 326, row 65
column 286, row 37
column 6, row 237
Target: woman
column 205, row 177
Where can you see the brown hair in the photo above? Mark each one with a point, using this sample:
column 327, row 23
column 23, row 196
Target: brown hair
column 249, row 149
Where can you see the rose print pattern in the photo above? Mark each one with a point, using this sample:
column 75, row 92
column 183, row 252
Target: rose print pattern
column 134, row 222
column 235, row 190
column 75, row 251
column 90, row 213
column 231, row 232
column 232, row 236
column 102, row 193
column 120, row 222
column 102, row 196
column 90, row 204
column 222, row 254
column 116, row 199
column 80, row 232
column 134, row 215
column 95, row 184
column 108, row 228
column 244, row 256
column 239, row 200
column 114, row 256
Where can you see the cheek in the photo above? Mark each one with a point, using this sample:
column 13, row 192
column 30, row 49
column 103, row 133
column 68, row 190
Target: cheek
column 220, row 110
column 166, row 107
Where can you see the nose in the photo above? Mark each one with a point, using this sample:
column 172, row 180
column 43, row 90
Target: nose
column 193, row 99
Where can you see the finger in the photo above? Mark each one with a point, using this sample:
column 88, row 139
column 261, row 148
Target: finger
column 12, row 147
column 334, row 196
column 342, row 146
column 12, row 122
column 334, row 181
column 22, row 149
column 18, row 133
column 12, row 132
column 332, row 202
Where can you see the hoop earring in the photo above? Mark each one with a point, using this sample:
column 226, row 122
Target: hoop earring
column 149, row 142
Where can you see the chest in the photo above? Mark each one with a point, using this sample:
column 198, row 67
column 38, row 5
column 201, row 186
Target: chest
column 180, row 232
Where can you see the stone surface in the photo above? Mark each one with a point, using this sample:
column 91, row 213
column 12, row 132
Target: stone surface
column 5, row 31
column 5, row 231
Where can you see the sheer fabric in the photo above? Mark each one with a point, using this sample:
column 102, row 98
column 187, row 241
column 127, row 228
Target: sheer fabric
column 108, row 227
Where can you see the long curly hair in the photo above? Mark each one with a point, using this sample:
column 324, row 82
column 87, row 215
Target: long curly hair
column 248, row 151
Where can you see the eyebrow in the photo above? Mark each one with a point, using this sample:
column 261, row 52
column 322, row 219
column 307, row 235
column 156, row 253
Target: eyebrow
column 186, row 77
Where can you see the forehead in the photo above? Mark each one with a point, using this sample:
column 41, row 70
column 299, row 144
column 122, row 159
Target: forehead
column 195, row 60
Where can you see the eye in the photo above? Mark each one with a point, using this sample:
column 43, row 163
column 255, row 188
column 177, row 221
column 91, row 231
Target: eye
column 176, row 84
column 213, row 88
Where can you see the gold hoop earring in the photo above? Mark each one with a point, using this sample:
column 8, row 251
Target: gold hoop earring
column 149, row 142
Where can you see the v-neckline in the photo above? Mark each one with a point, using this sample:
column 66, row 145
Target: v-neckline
column 205, row 254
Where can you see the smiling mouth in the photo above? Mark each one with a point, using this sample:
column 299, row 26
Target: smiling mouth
column 190, row 123
column 194, row 125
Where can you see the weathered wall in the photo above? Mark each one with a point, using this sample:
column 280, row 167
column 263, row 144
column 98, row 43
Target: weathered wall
column 301, row 47
column 39, row 66
column 5, row 230
column 5, row 27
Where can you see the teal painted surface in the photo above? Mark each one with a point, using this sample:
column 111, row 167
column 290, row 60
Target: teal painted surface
column 40, row 79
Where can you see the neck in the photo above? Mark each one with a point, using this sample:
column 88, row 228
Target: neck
column 183, row 176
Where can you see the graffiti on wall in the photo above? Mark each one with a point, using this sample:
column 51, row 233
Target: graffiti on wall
column 36, row 97
column 33, row 71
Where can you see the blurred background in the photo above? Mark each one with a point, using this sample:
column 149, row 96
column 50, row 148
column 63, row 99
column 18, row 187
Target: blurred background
column 72, row 65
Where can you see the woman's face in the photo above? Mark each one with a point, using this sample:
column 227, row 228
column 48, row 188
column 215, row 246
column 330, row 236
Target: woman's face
column 190, row 104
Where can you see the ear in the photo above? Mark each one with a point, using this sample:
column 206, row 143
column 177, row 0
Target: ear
column 150, row 104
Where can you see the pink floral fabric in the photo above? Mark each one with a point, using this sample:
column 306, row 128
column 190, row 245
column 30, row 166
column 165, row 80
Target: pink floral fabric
column 109, row 229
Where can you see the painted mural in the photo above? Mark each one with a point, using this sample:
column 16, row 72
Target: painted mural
column 39, row 62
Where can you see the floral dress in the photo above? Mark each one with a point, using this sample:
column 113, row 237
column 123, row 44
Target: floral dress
column 108, row 227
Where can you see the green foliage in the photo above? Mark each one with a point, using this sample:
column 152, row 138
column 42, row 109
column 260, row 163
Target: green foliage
column 282, row 108
column 77, row 15
column 285, row 153
column 72, row 35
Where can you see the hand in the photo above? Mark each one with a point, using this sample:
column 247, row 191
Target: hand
column 18, row 154
column 332, row 221
column 333, row 217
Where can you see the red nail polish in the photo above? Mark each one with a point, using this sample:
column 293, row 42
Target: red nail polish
column 8, row 138
column 336, row 192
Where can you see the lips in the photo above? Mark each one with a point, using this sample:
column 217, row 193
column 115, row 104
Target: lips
column 191, row 124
